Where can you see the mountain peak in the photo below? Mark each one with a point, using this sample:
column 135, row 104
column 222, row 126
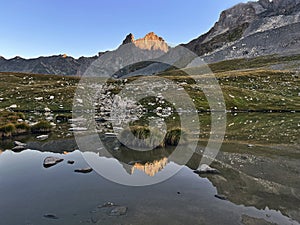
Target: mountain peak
column 129, row 39
column 151, row 41
column 153, row 37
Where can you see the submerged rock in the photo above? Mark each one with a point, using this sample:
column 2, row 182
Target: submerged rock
column 84, row 170
column 118, row 211
column 51, row 161
column 51, row 216
column 206, row 169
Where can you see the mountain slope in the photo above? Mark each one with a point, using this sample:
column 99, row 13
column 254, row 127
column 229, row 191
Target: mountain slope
column 66, row 65
column 251, row 29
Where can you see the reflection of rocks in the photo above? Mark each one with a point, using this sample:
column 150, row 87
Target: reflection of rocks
column 151, row 168
column 18, row 143
column 57, row 146
column 243, row 189
column 51, row 161
column 247, row 220
column 18, row 148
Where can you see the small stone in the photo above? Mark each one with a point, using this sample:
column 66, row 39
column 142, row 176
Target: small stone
column 18, row 148
column 42, row 137
column 51, row 161
column 222, row 197
column 206, row 169
column 18, row 143
column 107, row 204
column 51, row 216
column 71, row 161
column 118, row 211
column 84, row 170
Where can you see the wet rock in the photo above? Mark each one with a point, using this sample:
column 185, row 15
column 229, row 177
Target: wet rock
column 206, row 169
column 42, row 137
column 84, row 170
column 51, row 216
column 107, row 204
column 118, row 211
column 71, row 161
column 18, row 148
column 51, row 161
column 18, row 143
column 222, row 197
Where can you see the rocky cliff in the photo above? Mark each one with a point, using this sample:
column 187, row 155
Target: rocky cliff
column 252, row 29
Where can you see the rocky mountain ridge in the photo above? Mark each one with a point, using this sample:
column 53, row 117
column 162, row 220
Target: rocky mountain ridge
column 67, row 65
column 246, row 30
column 251, row 29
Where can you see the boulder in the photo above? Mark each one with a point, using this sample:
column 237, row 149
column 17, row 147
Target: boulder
column 51, row 161
column 206, row 169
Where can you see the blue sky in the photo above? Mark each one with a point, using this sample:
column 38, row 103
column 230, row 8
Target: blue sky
column 31, row 28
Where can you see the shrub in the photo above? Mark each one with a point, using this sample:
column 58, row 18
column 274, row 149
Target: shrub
column 41, row 127
column 7, row 129
column 22, row 126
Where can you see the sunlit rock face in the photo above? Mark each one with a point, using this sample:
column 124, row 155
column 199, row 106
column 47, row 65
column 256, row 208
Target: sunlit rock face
column 150, row 168
column 150, row 42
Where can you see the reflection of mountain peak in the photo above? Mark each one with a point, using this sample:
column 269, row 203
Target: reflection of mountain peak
column 151, row 168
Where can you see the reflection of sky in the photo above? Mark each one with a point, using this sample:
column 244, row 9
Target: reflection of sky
column 28, row 191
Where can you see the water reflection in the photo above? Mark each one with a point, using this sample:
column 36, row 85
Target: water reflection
column 150, row 168
column 259, row 175
column 74, row 198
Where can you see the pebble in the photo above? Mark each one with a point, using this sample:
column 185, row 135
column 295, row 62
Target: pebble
column 222, row 197
column 84, row 170
column 51, row 216
column 118, row 211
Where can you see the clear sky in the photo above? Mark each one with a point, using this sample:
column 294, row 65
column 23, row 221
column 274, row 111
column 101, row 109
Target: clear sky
column 31, row 28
